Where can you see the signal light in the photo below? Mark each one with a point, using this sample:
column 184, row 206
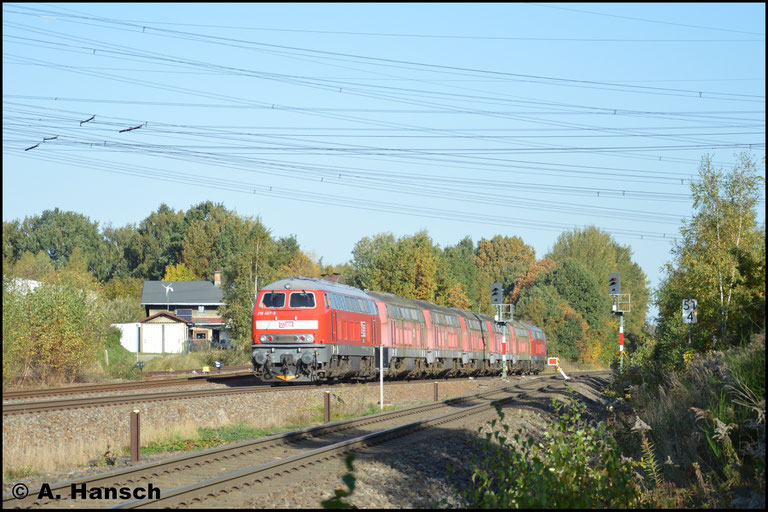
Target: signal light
column 614, row 284
column 497, row 293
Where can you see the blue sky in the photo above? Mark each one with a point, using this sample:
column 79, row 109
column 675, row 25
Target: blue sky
column 333, row 122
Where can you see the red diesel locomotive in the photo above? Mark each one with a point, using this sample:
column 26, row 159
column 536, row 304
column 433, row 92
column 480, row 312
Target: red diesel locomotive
column 315, row 330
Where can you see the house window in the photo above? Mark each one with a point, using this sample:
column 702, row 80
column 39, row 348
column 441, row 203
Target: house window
column 200, row 310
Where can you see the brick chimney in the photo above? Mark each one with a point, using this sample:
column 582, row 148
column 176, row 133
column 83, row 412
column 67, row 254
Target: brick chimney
column 333, row 278
column 217, row 278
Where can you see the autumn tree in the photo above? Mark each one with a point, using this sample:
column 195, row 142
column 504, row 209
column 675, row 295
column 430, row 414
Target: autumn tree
column 500, row 260
column 527, row 278
column 179, row 272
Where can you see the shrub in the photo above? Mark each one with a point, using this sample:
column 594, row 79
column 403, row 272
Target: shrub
column 577, row 464
column 49, row 333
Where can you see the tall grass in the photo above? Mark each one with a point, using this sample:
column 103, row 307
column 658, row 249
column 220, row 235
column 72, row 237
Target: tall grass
column 707, row 423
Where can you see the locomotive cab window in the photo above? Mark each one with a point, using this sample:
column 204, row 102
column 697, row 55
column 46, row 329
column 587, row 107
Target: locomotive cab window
column 302, row 300
column 273, row 300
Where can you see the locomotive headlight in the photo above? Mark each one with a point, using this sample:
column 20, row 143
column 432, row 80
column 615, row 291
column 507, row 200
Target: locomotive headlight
column 310, row 338
column 263, row 338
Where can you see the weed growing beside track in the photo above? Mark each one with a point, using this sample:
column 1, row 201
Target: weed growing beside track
column 692, row 437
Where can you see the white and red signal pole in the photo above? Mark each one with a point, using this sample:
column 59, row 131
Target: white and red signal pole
column 622, row 304
column 621, row 333
column 503, row 315
column 503, row 355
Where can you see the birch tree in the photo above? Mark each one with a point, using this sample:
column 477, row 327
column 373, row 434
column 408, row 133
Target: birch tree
column 709, row 257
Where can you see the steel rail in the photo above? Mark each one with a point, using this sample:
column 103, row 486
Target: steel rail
column 75, row 403
column 195, row 494
column 103, row 401
column 244, row 448
column 120, row 386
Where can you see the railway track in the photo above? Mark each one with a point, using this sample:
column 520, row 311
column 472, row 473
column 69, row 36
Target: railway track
column 39, row 406
column 221, row 476
column 123, row 386
column 103, row 401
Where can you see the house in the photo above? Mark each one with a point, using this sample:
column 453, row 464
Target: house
column 192, row 303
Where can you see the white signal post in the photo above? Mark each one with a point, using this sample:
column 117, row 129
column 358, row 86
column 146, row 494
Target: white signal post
column 621, row 333
column 503, row 355
column 381, row 376
column 554, row 361
column 503, row 317
column 621, row 304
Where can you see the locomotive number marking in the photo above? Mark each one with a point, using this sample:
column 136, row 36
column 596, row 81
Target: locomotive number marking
column 286, row 324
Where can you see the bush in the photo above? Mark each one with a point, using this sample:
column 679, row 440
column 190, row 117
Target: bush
column 122, row 362
column 577, row 464
column 706, row 421
column 49, row 333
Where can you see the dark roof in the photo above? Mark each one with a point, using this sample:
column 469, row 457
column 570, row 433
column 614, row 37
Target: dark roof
column 167, row 314
column 184, row 293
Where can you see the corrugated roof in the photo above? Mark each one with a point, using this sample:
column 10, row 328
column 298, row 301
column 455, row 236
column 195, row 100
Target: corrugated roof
column 184, row 293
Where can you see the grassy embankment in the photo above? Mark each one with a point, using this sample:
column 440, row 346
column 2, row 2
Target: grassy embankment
column 685, row 437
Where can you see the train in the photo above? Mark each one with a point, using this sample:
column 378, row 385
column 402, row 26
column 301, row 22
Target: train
column 317, row 330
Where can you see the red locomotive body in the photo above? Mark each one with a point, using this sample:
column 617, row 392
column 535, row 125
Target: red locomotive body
column 307, row 330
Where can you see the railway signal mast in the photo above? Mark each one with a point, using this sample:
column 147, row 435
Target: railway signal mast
column 503, row 315
column 621, row 305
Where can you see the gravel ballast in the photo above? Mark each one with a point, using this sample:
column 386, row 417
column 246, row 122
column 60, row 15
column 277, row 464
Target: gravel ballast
column 407, row 476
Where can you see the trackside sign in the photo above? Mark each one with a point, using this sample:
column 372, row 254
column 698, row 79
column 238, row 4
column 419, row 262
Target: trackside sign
column 553, row 361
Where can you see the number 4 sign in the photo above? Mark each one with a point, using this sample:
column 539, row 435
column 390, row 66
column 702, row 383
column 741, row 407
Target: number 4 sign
column 689, row 311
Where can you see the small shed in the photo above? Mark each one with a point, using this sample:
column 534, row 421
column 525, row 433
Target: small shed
column 163, row 333
column 131, row 335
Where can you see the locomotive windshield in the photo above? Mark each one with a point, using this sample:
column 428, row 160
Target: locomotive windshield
column 302, row 300
column 273, row 300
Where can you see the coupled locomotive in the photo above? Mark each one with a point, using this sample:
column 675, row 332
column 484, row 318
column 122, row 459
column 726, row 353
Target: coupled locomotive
column 316, row 330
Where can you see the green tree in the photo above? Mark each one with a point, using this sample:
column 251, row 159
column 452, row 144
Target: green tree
column 366, row 255
column 37, row 267
column 576, row 286
column 158, row 243
column 599, row 254
column 114, row 251
column 57, row 233
column 525, row 280
column 457, row 266
column 719, row 260
column 251, row 264
column 12, row 242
